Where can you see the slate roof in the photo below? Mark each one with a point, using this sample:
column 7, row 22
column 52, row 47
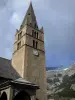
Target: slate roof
column 22, row 81
column 6, row 69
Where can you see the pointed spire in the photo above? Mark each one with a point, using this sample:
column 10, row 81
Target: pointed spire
column 31, row 2
column 30, row 17
column 42, row 30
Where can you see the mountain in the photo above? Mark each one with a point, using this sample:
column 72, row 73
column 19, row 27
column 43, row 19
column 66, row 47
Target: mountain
column 56, row 68
column 67, row 86
column 61, row 81
column 51, row 68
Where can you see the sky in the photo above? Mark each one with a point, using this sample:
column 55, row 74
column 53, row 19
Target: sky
column 56, row 16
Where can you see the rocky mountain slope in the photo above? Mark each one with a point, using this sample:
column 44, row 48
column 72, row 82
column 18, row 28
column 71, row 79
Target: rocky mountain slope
column 67, row 87
column 61, row 81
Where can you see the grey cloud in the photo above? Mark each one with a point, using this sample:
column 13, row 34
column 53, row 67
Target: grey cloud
column 3, row 3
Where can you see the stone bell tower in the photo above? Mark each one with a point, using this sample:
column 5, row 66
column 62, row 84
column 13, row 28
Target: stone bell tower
column 29, row 54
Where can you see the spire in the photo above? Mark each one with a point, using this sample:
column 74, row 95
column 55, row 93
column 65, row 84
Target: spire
column 31, row 2
column 30, row 17
column 42, row 30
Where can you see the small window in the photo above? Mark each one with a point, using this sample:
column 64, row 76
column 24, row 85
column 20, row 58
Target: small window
column 28, row 13
column 37, row 35
column 35, row 25
column 19, row 35
column 32, row 32
column 30, row 23
column 36, row 44
column 33, row 43
column 19, row 45
column 37, row 99
column 3, row 96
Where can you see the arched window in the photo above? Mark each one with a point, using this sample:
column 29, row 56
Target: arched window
column 20, row 35
column 37, row 99
column 28, row 13
column 19, row 45
column 22, row 95
column 37, row 35
column 30, row 23
column 3, row 96
column 35, row 44
column 33, row 33
column 36, row 25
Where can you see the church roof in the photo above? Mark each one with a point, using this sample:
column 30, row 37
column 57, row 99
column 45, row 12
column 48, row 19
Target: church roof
column 24, row 81
column 8, row 72
column 6, row 69
column 18, row 83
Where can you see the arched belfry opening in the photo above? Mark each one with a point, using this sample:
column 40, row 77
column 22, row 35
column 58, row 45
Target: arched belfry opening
column 22, row 95
column 3, row 96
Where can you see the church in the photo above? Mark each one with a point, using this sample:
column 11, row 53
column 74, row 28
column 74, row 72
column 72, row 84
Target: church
column 24, row 76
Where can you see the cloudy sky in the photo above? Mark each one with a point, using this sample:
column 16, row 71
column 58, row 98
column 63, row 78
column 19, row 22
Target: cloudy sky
column 56, row 16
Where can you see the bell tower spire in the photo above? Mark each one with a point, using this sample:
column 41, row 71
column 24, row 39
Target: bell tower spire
column 30, row 18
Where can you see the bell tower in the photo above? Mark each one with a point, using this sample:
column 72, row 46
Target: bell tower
column 29, row 54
